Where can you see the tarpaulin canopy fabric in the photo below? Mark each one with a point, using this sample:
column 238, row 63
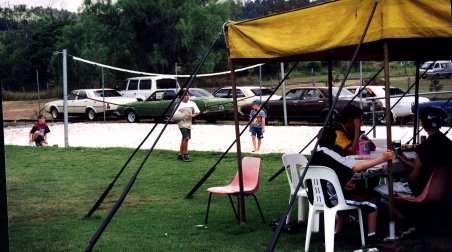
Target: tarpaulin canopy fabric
column 414, row 29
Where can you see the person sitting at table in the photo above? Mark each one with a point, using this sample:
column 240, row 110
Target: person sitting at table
column 348, row 131
column 345, row 168
column 433, row 152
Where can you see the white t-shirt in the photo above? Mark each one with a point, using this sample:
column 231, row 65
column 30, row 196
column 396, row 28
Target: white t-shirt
column 187, row 108
column 189, row 104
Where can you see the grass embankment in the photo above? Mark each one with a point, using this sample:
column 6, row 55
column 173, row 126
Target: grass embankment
column 51, row 189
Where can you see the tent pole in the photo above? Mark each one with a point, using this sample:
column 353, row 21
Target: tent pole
column 284, row 94
column 4, row 232
column 389, row 141
column 242, row 215
column 416, row 105
column 330, row 83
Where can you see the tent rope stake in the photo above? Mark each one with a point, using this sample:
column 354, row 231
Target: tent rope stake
column 271, row 246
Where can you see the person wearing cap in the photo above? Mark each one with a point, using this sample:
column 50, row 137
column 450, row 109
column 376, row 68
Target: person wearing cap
column 190, row 110
column 257, row 127
column 433, row 152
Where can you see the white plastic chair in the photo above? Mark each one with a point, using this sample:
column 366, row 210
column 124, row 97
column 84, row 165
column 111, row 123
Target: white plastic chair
column 294, row 164
column 315, row 174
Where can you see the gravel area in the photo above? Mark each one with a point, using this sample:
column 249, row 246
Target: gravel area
column 277, row 139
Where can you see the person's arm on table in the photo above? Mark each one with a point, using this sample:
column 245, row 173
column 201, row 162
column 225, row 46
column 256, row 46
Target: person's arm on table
column 385, row 156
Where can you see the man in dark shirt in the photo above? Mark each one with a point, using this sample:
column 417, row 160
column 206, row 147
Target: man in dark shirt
column 434, row 152
column 38, row 133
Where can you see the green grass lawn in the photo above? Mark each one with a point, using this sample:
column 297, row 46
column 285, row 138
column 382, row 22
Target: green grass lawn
column 51, row 189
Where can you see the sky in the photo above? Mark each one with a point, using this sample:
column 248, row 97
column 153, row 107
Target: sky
column 71, row 5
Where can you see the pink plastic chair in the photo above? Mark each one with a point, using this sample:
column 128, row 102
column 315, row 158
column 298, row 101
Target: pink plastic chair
column 250, row 171
column 435, row 189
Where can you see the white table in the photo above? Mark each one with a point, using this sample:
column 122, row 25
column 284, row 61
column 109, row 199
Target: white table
column 380, row 170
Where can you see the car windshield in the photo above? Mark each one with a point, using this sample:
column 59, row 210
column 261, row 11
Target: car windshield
column 199, row 93
column 265, row 91
column 426, row 65
column 167, row 84
column 344, row 92
column 108, row 93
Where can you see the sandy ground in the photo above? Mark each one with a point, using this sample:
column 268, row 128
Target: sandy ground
column 277, row 139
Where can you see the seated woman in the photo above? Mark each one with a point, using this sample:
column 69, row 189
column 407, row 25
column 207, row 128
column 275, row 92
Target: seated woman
column 345, row 168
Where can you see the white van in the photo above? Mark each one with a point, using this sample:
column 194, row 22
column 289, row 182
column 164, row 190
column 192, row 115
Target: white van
column 142, row 87
column 441, row 68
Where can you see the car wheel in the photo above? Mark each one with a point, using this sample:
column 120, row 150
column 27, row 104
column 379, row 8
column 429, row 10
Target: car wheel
column 54, row 113
column 131, row 116
column 448, row 76
column 90, row 114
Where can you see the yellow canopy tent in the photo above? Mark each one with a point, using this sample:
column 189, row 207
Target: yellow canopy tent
column 399, row 30
column 414, row 29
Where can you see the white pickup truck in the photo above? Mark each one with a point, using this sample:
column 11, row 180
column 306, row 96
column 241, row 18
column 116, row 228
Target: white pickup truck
column 142, row 87
column 441, row 68
column 89, row 102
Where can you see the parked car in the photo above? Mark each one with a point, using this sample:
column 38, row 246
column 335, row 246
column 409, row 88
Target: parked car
column 444, row 105
column 311, row 103
column 211, row 108
column 142, row 87
column 441, row 68
column 89, row 102
column 401, row 112
column 246, row 94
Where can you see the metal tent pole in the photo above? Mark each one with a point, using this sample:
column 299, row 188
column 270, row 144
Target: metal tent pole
column 330, row 83
column 37, row 86
column 242, row 213
column 103, row 92
column 4, row 229
column 416, row 105
column 284, row 94
column 66, row 137
column 389, row 140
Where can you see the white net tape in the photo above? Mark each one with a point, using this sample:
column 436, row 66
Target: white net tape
column 168, row 75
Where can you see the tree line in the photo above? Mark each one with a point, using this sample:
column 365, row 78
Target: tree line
column 150, row 36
